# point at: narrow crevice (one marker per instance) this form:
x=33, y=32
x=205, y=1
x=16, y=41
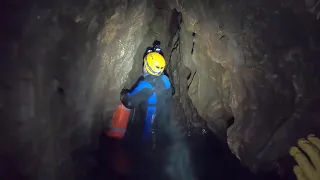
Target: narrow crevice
x=230, y=121
x=182, y=79
x=193, y=39
x=192, y=77
x=174, y=25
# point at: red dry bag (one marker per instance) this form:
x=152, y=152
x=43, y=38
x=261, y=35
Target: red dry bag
x=120, y=121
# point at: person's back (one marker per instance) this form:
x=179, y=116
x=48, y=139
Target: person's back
x=152, y=95
x=153, y=91
x=150, y=98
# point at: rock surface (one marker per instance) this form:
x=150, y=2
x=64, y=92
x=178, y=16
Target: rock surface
x=253, y=60
x=65, y=65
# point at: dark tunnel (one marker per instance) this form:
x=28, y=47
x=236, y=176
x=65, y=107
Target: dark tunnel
x=246, y=78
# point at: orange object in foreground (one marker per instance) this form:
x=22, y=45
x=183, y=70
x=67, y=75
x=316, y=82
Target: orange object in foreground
x=120, y=121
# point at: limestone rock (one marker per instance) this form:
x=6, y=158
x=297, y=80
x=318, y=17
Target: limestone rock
x=66, y=62
x=251, y=68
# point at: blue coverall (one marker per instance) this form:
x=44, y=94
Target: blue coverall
x=148, y=96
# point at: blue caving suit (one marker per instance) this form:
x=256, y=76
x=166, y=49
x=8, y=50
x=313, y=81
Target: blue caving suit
x=150, y=94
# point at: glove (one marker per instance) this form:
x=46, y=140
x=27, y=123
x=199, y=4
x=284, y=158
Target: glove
x=124, y=91
x=306, y=170
x=124, y=98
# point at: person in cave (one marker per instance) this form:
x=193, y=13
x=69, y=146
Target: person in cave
x=151, y=94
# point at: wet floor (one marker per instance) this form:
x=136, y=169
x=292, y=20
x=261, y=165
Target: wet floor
x=215, y=161
x=210, y=159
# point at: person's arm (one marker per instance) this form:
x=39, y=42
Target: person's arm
x=140, y=93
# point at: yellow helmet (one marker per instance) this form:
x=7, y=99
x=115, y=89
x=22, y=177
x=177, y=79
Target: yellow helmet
x=154, y=63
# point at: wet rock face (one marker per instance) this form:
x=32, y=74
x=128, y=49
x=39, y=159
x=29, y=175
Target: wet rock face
x=65, y=62
x=253, y=60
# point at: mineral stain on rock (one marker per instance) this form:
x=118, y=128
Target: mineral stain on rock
x=245, y=72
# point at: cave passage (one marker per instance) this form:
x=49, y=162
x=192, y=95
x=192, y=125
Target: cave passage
x=245, y=74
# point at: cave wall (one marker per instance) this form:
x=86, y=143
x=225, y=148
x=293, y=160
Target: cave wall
x=64, y=62
x=185, y=112
x=156, y=29
x=256, y=61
